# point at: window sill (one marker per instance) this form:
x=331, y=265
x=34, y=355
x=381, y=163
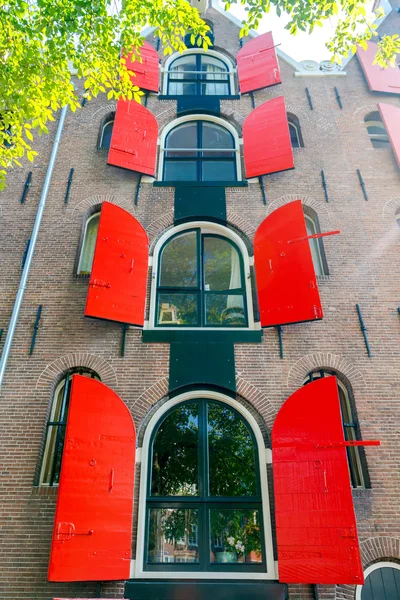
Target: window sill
x=200, y=184
x=229, y=97
x=236, y=336
x=203, y=590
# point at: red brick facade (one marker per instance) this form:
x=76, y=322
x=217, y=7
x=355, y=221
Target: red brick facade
x=364, y=268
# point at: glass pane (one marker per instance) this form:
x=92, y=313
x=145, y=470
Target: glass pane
x=178, y=264
x=314, y=247
x=180, y=170
x=221, y=265
x=106, y=137
x=210, y=65
x=183, y=136
x=294, y=138
x=177, y=309
x=225, y=310
x=217, y=137
x=182, y=65
x=232, y=461
x=175, y=88
x=89, y=243
x=380, y=142
x=235, y=536
x=173, y=536
x=220, y=170
x=175, y=454
x=214, y=89
x=377, y=129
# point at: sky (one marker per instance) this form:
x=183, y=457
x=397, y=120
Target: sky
x=302, y=46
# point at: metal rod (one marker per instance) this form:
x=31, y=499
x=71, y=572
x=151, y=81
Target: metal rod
x=138, y=188
x=309, y=98
x=253, y=100
x=125, y=328
x=158, y=44
x=264, y=196
x=28, y=183
x=314, y=236
x=325, y=186
x=316, y=594
x=231, y=150
x=241, y=42
x=1, y=333
x=361, y=180
x=83, y=102
x=338, y=98
x=25, y=273
x=35, y=329
x=25, y=254
x=69, y=183
x=363, y=329
x=280, y=338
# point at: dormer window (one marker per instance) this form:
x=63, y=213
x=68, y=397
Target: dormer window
x=199, y=74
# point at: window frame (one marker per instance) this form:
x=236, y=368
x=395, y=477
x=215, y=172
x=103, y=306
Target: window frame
x=205, y=228
x=64, y=383
x=375, y=567
x=374, y=119
x=196, y=77
x=315, y=242
x=353, y=427
x=83, y=241
x=199, y=119
x=110, y=120
x=231, y=70
x=144, y=456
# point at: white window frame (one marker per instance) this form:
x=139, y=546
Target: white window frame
x=200, y=117
x=46, y=450
x=208, y=228
x=316, y=244
x=97, y=213
x=110, y=120
x=227, y=61
x=137, y=566
x=374, y=567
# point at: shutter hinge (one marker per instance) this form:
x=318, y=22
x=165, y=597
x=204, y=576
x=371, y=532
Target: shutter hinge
x=100, y=283
x=65, y=532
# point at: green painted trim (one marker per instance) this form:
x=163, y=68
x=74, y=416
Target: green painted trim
x=142, y=589
x=164, y=336
x=233, y=184
x=227, y=97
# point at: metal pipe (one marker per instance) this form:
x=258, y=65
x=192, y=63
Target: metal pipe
x=35, y=232
x=361, y=180
x=363, y=329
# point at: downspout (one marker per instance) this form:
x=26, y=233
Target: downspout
x=28, y=261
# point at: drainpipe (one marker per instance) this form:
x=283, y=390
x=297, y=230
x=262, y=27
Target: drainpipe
x=25, y=273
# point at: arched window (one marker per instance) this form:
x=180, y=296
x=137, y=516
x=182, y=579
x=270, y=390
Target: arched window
x=382, y=582
x=315, y=243
x=197, y=74
x=296, y=137
x=88, y=244
x=200, y=150
x=200, y=282
x=55, y=428
x=106, y=129
x=350, y=427
x=204, y=509
x=398, y=219
x=376, y=130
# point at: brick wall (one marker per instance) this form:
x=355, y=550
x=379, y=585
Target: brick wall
x=364, y=268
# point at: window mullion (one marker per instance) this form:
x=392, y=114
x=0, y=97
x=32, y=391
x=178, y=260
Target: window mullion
x=200, y=275
x=203, y=486
x=58, y=442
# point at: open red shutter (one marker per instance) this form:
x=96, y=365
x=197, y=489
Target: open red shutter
x=92, y=535
x=266, y=139
x=379, y=80
x=117, y=287
x=257, y=64
x=133, y=143
x=146, y=71
x=286, y=282
x=391, y=117
x=315, y=521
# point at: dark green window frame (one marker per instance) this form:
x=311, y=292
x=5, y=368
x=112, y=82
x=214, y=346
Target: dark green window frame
x=197, y=155
x=199, y=77
x=198, y=290
x=203, y=502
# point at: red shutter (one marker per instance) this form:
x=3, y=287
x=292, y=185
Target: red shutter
x=92, y=535
x=134, y=138
x=147, y=70
x=391, y=117
x=315, y=521
x=379, y=80
x=266, y=139
x=257, y=64
x=286, y=282
x=117, y=287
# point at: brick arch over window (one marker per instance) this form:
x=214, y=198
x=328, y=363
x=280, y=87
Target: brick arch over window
x=87, y=204
x=391, y=208
x=331, y=362
x=102, y=112
x=317, y=206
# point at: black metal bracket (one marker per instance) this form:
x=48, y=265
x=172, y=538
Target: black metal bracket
x=69, y=183
x=83, y=101
x=28, y=183
x=338, y=98
x=324, y=186
x=264, y=196
x=253, y=100
x=35, y=329
x=363, y=329
x=280, y=338
x=361, y=180
x=138, y=188
x=25, y=254
x=125, y=328
x=1, y=333
x=309, y=98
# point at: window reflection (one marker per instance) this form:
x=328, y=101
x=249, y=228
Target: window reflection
x=235, y=536
x=173, y=536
